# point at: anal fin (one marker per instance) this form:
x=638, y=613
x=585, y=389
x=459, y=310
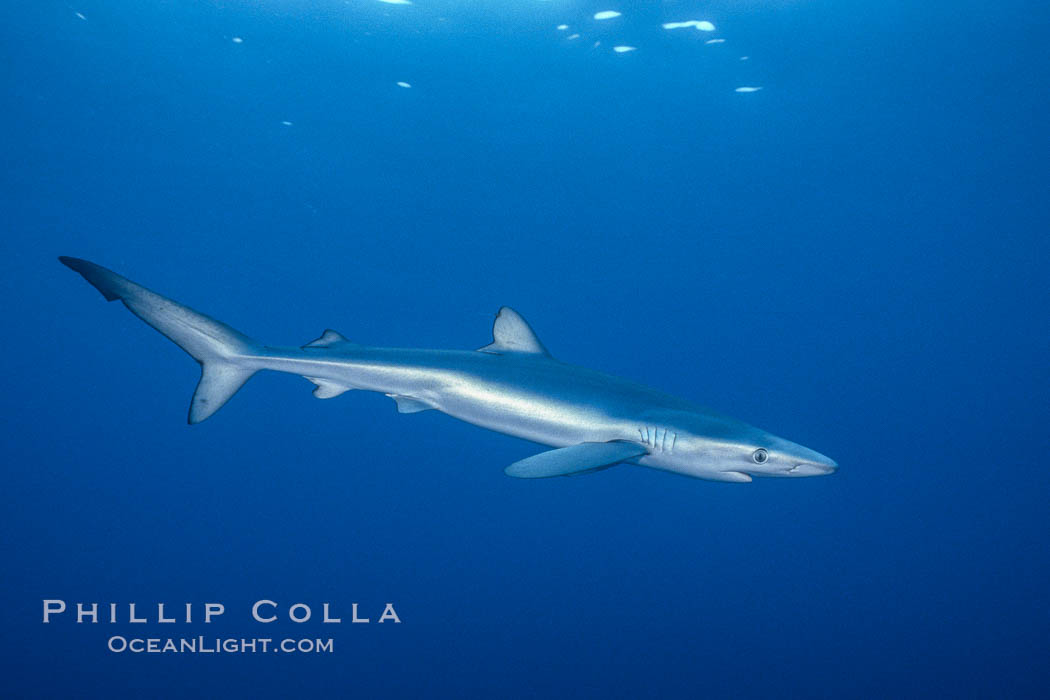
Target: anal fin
x=328, y=389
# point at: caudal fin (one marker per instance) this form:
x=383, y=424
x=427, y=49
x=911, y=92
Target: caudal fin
x=213, y=344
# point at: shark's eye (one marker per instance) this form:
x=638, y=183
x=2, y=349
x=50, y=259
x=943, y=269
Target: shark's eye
x=760, y=456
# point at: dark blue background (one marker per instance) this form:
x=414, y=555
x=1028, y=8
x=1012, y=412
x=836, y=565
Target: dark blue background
x=853, y=258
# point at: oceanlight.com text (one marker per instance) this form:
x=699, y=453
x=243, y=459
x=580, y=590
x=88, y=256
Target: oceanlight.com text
x=217, y=645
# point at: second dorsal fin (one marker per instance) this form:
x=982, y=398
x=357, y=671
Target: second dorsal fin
x=328, y=339
x=512, y=333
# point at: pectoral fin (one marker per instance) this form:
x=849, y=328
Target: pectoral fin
x=576, y=459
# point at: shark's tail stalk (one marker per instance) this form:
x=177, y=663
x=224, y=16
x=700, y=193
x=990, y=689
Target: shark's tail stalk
x=214, y=345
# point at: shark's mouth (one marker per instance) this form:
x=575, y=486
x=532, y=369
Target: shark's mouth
x=809, y=469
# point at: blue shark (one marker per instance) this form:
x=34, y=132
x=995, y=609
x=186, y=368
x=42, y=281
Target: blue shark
x=513, y=385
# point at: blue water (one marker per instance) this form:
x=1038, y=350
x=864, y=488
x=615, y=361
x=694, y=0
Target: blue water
x=853, y=257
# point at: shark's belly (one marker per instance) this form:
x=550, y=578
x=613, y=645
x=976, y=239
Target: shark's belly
x=555, y=418
x=547, y=402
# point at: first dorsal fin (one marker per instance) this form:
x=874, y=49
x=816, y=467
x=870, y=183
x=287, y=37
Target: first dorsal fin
x=327, y=340
x=512, y=333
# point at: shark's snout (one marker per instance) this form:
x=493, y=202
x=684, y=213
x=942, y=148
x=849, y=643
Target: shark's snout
x=797, y=460
x=826, y=463
x=812, y=463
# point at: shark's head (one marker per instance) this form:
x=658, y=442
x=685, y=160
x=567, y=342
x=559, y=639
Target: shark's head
x=710, y=446
x=770, y=455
